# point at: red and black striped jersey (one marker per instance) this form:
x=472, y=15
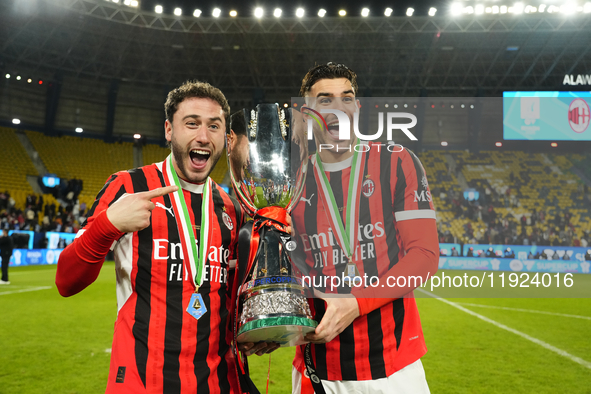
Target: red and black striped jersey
x=394, y=189
x=157, y=346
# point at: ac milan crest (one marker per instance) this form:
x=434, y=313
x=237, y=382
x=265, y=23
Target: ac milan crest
x=578, y=115
x=368, y=187
x=227, y=221
x=424, y=182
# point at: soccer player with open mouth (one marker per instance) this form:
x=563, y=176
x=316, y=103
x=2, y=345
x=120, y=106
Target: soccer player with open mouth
x=359, y=216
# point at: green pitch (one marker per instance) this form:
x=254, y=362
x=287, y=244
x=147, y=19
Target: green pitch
x=50, y=344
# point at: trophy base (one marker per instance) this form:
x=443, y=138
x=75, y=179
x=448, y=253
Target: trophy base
x=285, y=330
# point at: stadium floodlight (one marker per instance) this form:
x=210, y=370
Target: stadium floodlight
x=443, y=143
x=300, y=12
x=7, y=76
x=488, y=10
x=197, y=13
x=277, y=13
x=321, y=12
x=410, y=11
x=127, y=2
x=135, y=3
x=518, y=8
x=479, y=9
x=158, y=9
x=495, y=9
x=115, y=1
x=432, y=11
x=456, y=9
x=79, y=130
x=469, y=10
x=568, y=8
x=137, y=136
x=587, y=8
x=552, y=9
x=259, y=12
x=365, y=12
x=503, y=9
x=233, y=13
x=388, y=11
x=216, y=12
x=342, y=12
x=542, y=8
x=16, y=121
x=178, y=11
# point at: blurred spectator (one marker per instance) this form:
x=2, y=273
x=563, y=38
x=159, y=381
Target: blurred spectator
x=4, y=197
x=565, y=256
x=6, y=247
x=509, y=253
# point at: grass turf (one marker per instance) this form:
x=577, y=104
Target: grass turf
x=51, y=344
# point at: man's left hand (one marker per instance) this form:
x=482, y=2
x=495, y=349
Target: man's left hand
x=259, y=349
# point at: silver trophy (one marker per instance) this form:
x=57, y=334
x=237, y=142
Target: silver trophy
x=267, y=172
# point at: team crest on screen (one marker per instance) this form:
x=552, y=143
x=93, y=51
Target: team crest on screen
x=227, y=221
x=578, y=115
x=368, y=187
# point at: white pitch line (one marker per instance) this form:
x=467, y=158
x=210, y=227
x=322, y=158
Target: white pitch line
x=543, y=344
x=25, y=290
x=17, y=271
x=526, y=310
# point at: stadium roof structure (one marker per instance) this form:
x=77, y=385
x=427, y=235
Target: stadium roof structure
x=465, y=55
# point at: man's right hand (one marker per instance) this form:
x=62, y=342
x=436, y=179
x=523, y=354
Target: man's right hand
x=132, y=212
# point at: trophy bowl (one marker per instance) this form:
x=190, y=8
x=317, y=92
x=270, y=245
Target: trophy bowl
x=267, y=173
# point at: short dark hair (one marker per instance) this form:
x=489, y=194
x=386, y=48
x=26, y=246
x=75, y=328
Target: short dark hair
x=197, y=89
x=327, y=71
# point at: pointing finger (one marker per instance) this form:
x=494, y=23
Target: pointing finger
x=161, y=191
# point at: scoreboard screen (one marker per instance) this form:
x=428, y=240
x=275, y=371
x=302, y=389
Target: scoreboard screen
x=554, y=116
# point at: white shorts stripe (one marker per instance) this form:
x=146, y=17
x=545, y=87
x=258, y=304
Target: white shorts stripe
x=409, y=380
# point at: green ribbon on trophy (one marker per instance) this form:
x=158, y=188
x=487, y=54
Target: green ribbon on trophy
x=345, y=234
x=196, y=306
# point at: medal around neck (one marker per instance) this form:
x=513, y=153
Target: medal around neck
x=267, y=173
x=196, y=261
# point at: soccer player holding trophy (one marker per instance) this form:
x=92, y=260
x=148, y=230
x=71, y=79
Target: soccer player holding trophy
x=358, y=216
